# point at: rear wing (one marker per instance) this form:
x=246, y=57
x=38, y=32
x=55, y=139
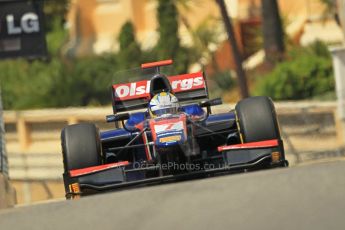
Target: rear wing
x=136, y=95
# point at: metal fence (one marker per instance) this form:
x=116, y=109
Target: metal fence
x=3, y=156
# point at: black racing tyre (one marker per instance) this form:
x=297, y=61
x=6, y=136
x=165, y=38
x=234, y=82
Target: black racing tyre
x=257, y=119
x=81, y=146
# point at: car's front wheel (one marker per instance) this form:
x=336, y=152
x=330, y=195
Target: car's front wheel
x=257, y=120
x=81, y=146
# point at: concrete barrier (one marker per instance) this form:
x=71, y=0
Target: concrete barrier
x=7, y=193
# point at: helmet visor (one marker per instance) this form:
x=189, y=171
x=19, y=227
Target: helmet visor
x=163, y=111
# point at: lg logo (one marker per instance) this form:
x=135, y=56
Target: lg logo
x=29, y=23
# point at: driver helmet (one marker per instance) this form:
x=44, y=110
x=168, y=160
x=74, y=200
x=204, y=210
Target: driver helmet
x=163, y=103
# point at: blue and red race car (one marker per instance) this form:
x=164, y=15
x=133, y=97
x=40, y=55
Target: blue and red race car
x=169, y=135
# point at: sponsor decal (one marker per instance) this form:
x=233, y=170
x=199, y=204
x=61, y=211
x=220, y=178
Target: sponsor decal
x=168, y=127
x=141, y=89
x=170, y=139
x=187, y=83
x=132, y=90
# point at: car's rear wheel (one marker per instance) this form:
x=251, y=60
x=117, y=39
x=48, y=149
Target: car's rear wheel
x=256, y=119
x=81, y=146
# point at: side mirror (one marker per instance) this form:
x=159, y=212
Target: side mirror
x=211, y=102
x=117, y=117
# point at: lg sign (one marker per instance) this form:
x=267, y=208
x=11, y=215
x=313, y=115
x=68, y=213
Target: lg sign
x=22, y=29
x=28, y=24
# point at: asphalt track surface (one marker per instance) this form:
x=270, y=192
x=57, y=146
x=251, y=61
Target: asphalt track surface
x=306, y=197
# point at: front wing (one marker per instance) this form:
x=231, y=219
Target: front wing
x=232, y=158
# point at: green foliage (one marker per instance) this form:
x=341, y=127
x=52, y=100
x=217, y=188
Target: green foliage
x=224, y=80
x=85, y=81
x=28, y=86
x=38, y=84
x=168, y=43
x=307, y=74
x=56, y=37
x=126, y=38
x=54, y=10
x=220, y=83
x=169, y=46
x=130, y=54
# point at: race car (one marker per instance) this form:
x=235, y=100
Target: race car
x=165, y=131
